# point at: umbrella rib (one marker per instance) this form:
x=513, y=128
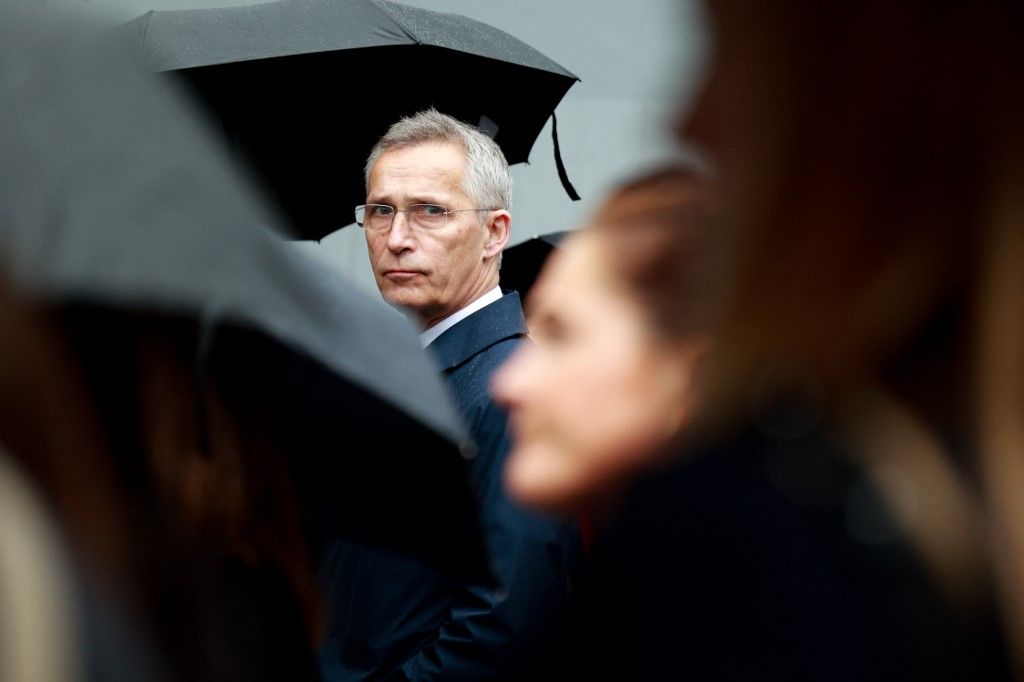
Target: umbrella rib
x=145, y=25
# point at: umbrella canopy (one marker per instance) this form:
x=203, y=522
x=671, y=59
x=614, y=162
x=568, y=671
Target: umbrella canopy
x=522, y=263
x=304, y=88
x=112, y=193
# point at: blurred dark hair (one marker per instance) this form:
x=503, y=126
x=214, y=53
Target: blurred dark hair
x=660, y=242
x=48, y=425
x=871, y=153
x=207, y=499
x=872, y=171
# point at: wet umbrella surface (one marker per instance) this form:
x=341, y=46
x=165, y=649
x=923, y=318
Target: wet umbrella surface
x=303, y=88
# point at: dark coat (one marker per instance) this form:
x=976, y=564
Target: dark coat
x=394, y=616
x=766, y=557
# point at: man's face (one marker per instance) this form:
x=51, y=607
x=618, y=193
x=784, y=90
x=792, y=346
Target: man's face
x=436, y=272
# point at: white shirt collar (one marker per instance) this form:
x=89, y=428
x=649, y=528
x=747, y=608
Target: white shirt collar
x=427, y=337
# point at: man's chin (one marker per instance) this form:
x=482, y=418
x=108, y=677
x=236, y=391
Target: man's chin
x=410, y=305
x=400, y=298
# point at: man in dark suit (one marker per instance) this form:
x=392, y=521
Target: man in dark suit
x=436, y=221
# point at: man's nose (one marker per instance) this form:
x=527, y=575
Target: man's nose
x=400, y=234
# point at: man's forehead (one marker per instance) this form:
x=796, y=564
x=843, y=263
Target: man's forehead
x=427, y=167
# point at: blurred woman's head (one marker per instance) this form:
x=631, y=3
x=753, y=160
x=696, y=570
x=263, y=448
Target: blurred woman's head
x=619, y=321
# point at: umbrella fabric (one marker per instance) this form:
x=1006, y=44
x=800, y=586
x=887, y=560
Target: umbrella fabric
x=522, y=263
x=303, y=88
x=112, y=193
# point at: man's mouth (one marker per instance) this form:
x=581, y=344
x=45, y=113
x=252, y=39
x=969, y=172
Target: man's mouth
x=398, y=275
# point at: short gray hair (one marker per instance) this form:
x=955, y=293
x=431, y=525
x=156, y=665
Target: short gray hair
x=487, y=181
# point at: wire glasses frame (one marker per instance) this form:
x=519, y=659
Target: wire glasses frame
x=422, y=216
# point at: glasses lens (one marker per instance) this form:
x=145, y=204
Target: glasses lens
x=428, y=216
x=376, y=216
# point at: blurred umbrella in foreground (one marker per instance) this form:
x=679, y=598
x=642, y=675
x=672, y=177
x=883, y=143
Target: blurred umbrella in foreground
x=112, y=195
x=304, y=88
x=522, y=263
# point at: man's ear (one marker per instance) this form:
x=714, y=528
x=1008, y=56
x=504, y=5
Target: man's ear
x=499, y=229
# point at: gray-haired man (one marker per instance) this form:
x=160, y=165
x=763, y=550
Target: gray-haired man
x=436, y=220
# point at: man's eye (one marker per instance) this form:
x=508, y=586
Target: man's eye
x=432, y=210
x=379, y=210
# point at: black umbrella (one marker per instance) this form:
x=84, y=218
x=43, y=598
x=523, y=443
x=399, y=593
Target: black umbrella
x=303, y=88
x=522, y=263
x=112, y=194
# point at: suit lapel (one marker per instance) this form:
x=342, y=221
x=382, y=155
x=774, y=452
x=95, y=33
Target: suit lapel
x=496, y=322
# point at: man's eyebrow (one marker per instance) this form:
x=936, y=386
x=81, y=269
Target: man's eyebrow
x=379, y=199
x=426, y=199
x=415, y=199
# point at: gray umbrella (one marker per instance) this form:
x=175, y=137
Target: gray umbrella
x=303, y=88
x=112, y=192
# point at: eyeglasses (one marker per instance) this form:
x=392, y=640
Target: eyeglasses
x=420, y=216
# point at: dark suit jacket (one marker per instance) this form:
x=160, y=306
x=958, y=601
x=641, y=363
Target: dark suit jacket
x=397, y=618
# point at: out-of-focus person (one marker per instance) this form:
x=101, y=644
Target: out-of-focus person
x=848, y=504
x=619, y=318
x=184, y=559
x=162, y=567
x=871, y=345
x=437, y=217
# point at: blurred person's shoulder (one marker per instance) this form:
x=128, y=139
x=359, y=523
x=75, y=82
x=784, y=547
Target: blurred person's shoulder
x=769, y=551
